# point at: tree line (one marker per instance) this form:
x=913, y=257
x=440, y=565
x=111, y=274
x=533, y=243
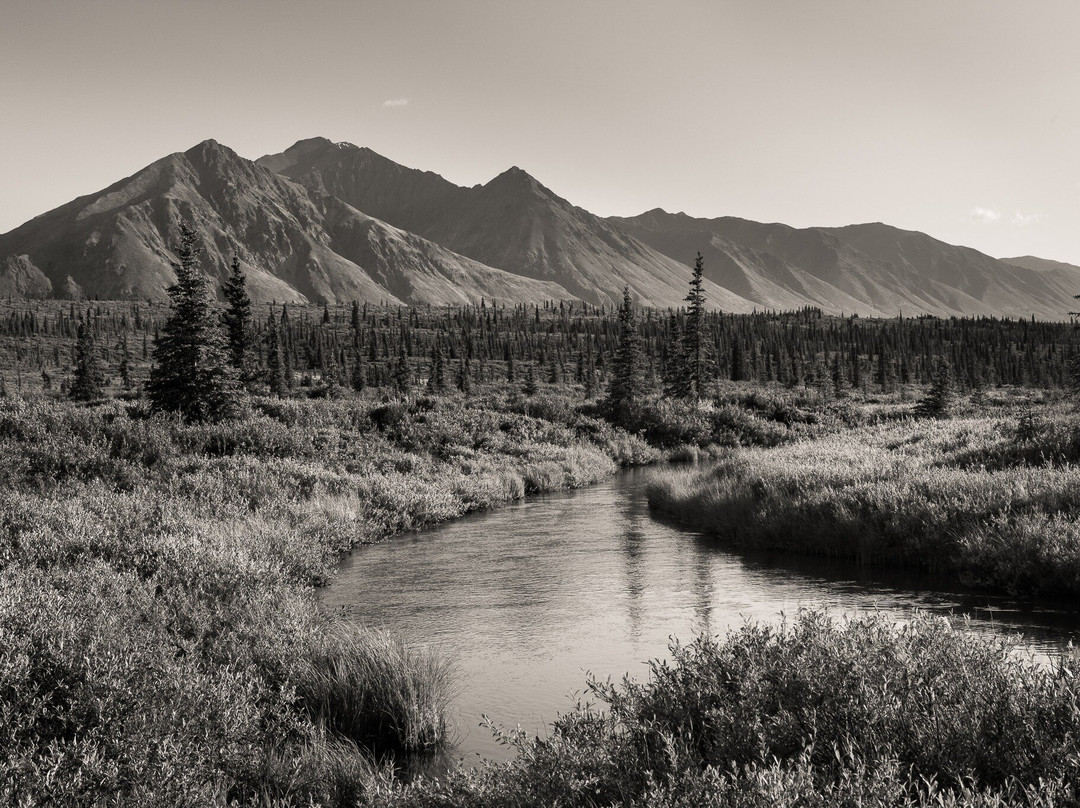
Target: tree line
x=283, y=347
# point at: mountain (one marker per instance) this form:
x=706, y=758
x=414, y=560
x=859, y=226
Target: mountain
x=294, y=243
x=333, y=222
x=869, y=269
x=512, y=222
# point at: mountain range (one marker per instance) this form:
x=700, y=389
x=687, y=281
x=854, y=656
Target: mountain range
x=333, y=222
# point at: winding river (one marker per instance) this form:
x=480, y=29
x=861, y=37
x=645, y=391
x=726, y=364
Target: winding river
x=527, y=598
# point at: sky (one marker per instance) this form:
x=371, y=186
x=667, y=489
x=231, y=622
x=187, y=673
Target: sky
x=960, y=118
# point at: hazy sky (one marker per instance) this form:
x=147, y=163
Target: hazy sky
x=957, y=117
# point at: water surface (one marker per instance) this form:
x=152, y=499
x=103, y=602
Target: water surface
x=527, y=598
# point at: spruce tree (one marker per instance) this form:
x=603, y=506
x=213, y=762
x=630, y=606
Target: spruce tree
x=839, y=380
x=237, y=321
x=358, y=377
x=275, y=364
x=738, y=361
x=529, y=387
x=693, y=343
x=402, y=376
x=437, y=370
x=941, y=398
x=88, y=381
x=125, y=363
x=191, y=374
x=464, y=376
x=628, y=375
x=674, y=370
x=685, y=370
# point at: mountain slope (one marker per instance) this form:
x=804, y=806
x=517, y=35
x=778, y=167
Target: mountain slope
x=512, y=222
x=295, y=244
x=869, y=269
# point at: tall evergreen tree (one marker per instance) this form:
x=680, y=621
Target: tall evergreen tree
x=686, y=371
x=628, y=375
x=693, y=338
x=464, y=376
x=358, y=377
x=191, y=373
x=89, y=379
x=401, y=374
x=437, y=369
x=941, y=398
x=738, y=360
x=839, y=380
x=529, y=386
x=237, y=321
x=275, y=363
x=125, y=363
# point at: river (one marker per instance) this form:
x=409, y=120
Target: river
x=527, y=598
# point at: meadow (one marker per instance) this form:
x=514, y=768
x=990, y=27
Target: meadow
x=163, y=639
x=988, y=498
x=163, y=643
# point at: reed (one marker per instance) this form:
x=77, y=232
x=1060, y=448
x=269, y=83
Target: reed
x=372, y=688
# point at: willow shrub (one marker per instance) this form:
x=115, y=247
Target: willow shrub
x=816, y=711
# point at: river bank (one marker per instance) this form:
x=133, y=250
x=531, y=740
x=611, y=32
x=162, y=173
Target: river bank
x=526, y=598
x=158, y=581
x=989, y=500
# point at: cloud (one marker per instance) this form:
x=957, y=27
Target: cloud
x=1024, y=219
x=395, y=102
x=984, y=215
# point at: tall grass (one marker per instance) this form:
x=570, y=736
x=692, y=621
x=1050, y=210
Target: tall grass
x=162, y=640
x=962, y=498
x=374, y=689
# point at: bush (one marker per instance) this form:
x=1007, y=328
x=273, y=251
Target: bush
x=815, y=712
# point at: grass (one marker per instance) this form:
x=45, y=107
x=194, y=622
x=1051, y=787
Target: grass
x=163, y=643
x=816, y=711
x=373, y=689
x=973, y=498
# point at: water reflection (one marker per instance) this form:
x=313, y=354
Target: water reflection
x=528, y=598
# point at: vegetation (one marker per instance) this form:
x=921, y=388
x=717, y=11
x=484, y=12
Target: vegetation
x=687, y=370
x=989, y=498
x=163, y=640
x=237, y=322
x=87, y=379
x=813, y=712
x=192, y=374
x=627, y=379
x=158, y=557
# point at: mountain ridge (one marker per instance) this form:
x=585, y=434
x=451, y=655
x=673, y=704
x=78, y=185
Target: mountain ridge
x=326, y=221
x=871, y=269
x=513, y=221
x=295, y=244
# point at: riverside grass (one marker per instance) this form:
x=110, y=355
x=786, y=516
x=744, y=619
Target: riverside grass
x=991, y=499
x=167, y=650
x=817, y=711
x=162, y=641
